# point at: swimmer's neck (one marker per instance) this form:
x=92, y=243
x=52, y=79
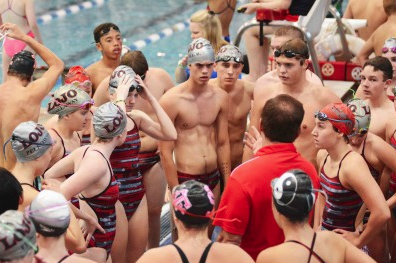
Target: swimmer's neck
x=25, y=173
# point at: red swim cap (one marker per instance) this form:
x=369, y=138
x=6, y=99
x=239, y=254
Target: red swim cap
x=340, y=117
x=76, y=73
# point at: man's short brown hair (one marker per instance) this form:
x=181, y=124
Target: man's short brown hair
x=289, y=31
x=136, y=60
x=281, y=118
x=389, y=7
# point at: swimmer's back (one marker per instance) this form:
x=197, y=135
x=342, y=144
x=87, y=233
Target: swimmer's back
x=219, y=252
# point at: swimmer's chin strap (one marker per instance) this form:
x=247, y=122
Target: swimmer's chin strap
x=209, y=214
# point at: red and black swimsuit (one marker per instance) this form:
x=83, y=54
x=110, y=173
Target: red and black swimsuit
x=103, y=204
x=125, y=163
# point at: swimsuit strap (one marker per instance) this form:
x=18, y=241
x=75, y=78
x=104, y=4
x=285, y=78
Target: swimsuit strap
x=222, y=11
x=79, y=137
x=325, y=160
x=205, y=253
x=311, y=252
x=364, y=146
x=62, y=259
x=339, y=166
x=63, y=143
x=29, y=185
x=82, y=197
x=181, y=253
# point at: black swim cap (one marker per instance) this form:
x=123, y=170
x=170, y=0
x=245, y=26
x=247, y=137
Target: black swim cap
x=23, y=62
x=193, y=202
x=293, y=194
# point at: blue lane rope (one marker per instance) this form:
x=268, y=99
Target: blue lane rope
x=162, y=34
x=73, y=9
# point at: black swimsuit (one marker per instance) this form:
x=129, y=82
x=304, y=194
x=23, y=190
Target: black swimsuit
x=311, y=252
x=201, y=260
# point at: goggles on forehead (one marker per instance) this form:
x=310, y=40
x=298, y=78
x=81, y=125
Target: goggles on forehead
x=107, y=30
x=85, y=84
x=228, y=58
x=386, y=49
x=84, y=106
x=323, y=117
x=19, y=139
x=286, y=53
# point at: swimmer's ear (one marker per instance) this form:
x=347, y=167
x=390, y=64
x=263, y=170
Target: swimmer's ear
x=388, y=82
x=99, y=46
x=304, y=63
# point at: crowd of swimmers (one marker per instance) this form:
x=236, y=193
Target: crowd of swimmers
x=283, y=168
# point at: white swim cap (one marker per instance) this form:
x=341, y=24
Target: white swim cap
x=229, y=53
x=109, y=120
x=68, y=99
x=200, y=50
x=117, y=76
x=29, y=141
x=50, y=213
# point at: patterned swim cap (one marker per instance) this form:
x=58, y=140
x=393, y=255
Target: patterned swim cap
x=17, y=234
x=200, y=50
x=293, y=194
x=109, y=120
x=68, y=99
x=23, y=62
x=389, y=45
x=362, y=112
x=29, y=141
x=50, y=213
x=229, y=53
x=339, y=115
x=117, y=76
x=192, y=202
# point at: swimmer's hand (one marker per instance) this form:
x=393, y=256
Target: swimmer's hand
x=253, y=142
x=12, y=30
x=51, y=184
x=352, y=237
x=250, y=8
x=145, y=94
x=182, y=63
x=123, y=88
x=90, y=224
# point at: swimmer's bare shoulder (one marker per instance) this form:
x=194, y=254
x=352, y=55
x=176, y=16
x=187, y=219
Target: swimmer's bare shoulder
x=323, y=95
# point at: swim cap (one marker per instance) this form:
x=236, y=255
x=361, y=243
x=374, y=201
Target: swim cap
x=76, y=74
x=117, y=76
x=293, y=194
x=68, y=99
x=228, y=52
x=362, y=113
x=200, y=50
x=17, y=235
x=389, y=45
x=23, y=62
x=29, y=141
x=193, y=201
x=340, y=117
x=50, y=213
x=109, y=120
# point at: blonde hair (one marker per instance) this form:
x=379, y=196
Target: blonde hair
x=211, y=28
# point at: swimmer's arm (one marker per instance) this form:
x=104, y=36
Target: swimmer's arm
x=366, y=50
x=102, y=94
x=267, y=4
x=165, y=79
x=384, y=152
x=319, y=204
x=166, y=152
x=223, y=141
x=180, y=71
x=32, y=21
x=226, y=237
x=348, y=12
x=61, y=168
x=371, y=194
x=74, y=238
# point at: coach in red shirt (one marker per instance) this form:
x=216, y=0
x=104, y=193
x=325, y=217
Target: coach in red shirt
x=248, y=196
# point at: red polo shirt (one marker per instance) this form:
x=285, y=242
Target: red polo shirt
x=248, y=196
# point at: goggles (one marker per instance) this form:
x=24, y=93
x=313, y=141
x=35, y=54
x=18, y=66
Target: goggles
x=138, y=88
x=19, y=139
x=386, y=49
x=85, y=84
x=84, y=106
x=286, y=53
x=361, y=132
x=228, y=58
x=323, y=117
x=106, y=31
x=143, y=76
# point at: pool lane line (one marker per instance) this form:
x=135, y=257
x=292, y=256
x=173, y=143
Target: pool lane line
x=72, y=9
x=139, y=44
